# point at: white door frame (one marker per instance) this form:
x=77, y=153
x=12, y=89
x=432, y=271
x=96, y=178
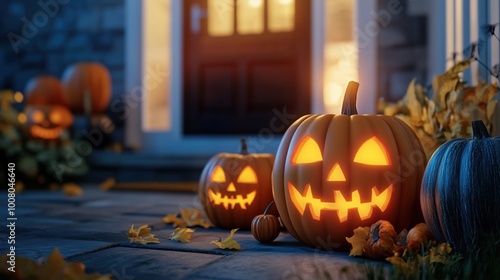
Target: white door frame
x=170, y=141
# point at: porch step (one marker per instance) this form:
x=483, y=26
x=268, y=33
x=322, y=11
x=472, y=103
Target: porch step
x=132, y=167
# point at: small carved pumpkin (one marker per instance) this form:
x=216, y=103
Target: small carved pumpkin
x=234, y=188
x=334, y=173
x=461, y=190
x=265, y=227
x=47, y=122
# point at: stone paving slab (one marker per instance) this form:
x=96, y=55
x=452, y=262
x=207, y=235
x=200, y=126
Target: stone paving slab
x=132, y=263
x=93, y=229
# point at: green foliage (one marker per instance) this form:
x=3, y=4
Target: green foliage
x=37, y=162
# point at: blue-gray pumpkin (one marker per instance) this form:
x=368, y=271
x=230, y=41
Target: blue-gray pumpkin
x=460, y=194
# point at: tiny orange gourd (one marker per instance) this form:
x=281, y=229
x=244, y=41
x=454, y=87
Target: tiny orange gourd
x=265, y=227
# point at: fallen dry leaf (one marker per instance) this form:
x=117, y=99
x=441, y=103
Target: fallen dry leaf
x=403, y=265
x=141, y=235
x=358, y=240
x=228, y=243
x=189, y=217
x=72, y=189
x=181, y=234
x=173, y=219
x=108, y=184
x=193, y=217
x=55, y=267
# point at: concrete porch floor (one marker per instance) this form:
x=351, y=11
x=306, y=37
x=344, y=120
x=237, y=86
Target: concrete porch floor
x=93, y=229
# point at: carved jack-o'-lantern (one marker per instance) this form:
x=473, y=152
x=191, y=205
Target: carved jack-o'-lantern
x=47, y=122
x=334, y=173
x=234, y=188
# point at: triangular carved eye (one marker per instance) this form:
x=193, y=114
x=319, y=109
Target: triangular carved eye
x=218, y=175
x=247, y=176
x=307, y=151
x=372, y=152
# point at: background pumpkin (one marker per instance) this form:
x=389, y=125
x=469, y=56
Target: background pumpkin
x=234, y=188
x=461, y=190
x=44, y=90
x=83, y=77
x=327, y=162
x=47, y=122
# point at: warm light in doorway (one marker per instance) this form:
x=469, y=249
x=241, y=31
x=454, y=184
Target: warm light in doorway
x=255, y=3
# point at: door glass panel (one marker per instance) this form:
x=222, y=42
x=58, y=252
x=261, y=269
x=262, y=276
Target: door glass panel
x=281, y=15
x=220, y=17
x=250, y=16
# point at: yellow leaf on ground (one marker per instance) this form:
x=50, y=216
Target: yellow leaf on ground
x=173, y=219
x=402, y=264
x=358, y=240
x=181, y=234
x=192, y=217
x=71, y=189
x=55, y=267
x=228, y=242
x=108, y=184
x=141, y=235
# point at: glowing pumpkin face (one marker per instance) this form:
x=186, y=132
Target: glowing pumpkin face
x=47, y=122
x=234, y=188
x=371, y=153
x=334, y=173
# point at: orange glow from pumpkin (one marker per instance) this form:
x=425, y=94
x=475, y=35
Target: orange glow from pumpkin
x=45, y=133
x=372, y=152
x=55, y=117
x=341, y=205
x=38, y=117
x=218, y=175
x=336, y=174
x=216, y=198
x=307, y=151
x=248, y=176
x=231, y=188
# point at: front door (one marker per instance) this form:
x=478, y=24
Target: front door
x=242, y=59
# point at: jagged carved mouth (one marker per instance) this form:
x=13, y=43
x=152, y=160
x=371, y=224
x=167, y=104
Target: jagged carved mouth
x=46, y=133
x=243, y=201
x=365, y=209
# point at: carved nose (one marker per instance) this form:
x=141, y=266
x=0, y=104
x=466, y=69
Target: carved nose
x=336, y=174
x=231, y=187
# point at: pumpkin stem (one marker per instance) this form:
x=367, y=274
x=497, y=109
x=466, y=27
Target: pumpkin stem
x=243, y=147
x=349, y=104
x=479, y=131
x=268, y=206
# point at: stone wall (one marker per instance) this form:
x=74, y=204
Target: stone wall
x=45, y=36
x=402, y=49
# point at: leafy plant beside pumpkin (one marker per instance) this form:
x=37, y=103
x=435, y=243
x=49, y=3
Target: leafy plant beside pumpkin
x=38, y=161
x=449, y=112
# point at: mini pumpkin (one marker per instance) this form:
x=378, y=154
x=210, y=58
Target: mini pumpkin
x=87, y=80
x=461, y=190
x=334, y=173
x=265, y=227
x=234, y=188
x=381, y=241
x=47, y=122
x=417, y=236
x=44, y=90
